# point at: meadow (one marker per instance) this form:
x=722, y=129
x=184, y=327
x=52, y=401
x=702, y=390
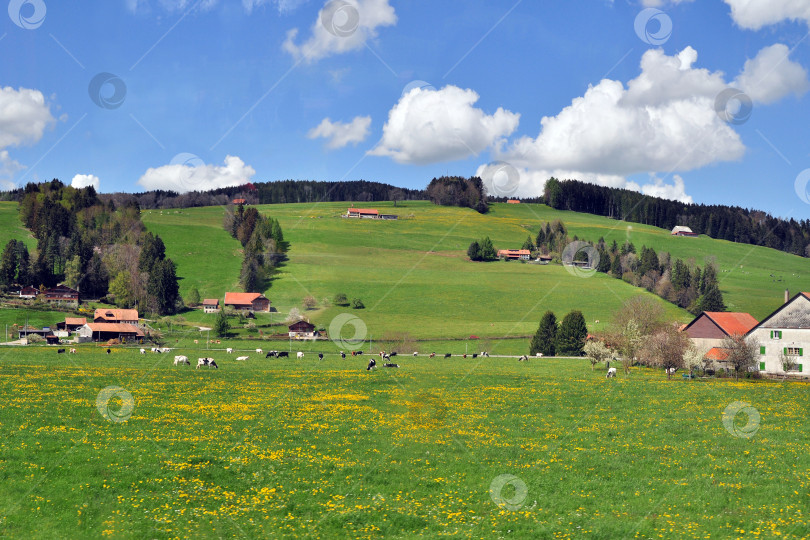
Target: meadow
x=464, y=449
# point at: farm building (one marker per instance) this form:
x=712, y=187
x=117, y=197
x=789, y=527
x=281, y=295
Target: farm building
x=302, y=329
x=247, y=301
x=108, y=331
x=210, y=305
x=62, y=295
x=514, y=254
x=44, y=333
x=544, y=259
x=239, y=201
x=29, y=293
x=71, y=324
x=683, y=231
x=783, y=335
x=513, y=201
x=363, y=213
x=710, y=328
x=126, y=316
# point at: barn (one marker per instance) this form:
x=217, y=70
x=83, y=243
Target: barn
x=127, y=316
x=108, y=331
x=247, y=301
x=302, y=329
x=710, y=328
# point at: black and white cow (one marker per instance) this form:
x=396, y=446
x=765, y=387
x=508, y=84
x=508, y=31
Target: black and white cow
x=343, y=355
x=320, y=356
x=181, y=360
x=283, y=354
x=448, y=355
x=60, y=351
x=206, y=362
x=372, y=364
x=391, y=365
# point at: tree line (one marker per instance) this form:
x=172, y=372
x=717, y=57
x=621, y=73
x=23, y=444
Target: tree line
x=263, y=244
x=459, y=191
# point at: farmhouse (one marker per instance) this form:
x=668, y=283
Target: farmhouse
x=71, y=324
x=783, y=335
x=302, y=329
x=62, y=295
x=210, y=305
x=108, y=331
x=683, y=231
x=239, y=201
x=513, y=201
x=710, y=328
x=29, y=293
x=514, y=254
x=247, y=301
x=363, y=213
x=544, y=259
x=126, y=316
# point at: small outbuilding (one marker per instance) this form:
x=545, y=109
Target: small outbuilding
x=683, y=231
x=210, y=305
x=302, y=330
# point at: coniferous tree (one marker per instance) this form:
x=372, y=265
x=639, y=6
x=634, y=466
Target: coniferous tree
x=572, y=334
x=544, y=340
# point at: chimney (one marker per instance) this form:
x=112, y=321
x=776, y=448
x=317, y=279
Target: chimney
x=787, y=295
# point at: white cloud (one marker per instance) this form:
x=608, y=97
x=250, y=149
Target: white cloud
x=754, y=14
x=342, y=30
x=341, y=134
x=674, y=192
x=771, y=75
x=85, y=180
x=284, y=6
x=24, y=116
x=8, y=168
x=431, y=126
x=183, y=178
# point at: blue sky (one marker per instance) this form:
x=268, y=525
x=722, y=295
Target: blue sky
x=181, y=94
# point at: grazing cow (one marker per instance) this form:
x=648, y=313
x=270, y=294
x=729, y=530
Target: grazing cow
x=385, y=356
x=475, y=355
x=359, y=353
x=259, y=351
x=391, y=365
x=181, y=360
x=196, y=341
x=372, y=364
x=299, y=355
x=433, y=355
x=523, y=358
x=143, y=351
x=343, y=355
x=60, y=351
x=611, y=372
x=320, y=356
x=415, y=353
x=393, y=354
x=448, y=355
x=206, y=362
x=538, y=355
x=229, y=350
x=72, y=351
x=108, y=351
x=283, y=354
x=273, y=354
x=485, y=354
x=464, y=355
x=354, y=353
x=242, y=358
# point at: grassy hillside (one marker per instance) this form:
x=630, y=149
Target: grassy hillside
x=12, y=228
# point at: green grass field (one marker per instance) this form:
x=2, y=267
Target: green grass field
x=277, y=449
x=413, y=276
x=12, y=228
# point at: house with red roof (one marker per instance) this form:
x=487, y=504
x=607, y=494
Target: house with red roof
x=363, y=213
x=514, y=254
x=210, y=305
x=107, y=331
x=62, y=295
x=251, y=302
x=710, y=328
x=125, y=316
x=783, y=336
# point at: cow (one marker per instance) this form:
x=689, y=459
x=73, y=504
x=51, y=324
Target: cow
x=283, y=354
x=372, y=364
x=523, y=358
x=60, y=351
x=464, y=356
x=196, y=341
x=415, y=353
x=391, y=365
x=259, y=351
x=229, y=350
x=242, y=358
x=475, y=355
x=320, y=356
x=359, y=353
x=299, y=355
x=485, y=354
x=181, y=360
x=385, y=356
x=108, y=351
x=72, y=351
x=343, y=355
x=448, y=355
x=271, y=354
x=143, y=351
x=206, y=362
x=432, y=355
x=611, y=372
x=538, y=355
x=393, y=353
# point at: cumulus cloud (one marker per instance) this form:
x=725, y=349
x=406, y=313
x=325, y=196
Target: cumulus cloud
x=771, y=75
x=754, y=14
x=184, y=177
x=85, y=180
x=24, y=116
x=674, y=192
x=341, y=134
x=432, y=126
x=664, y=120
x=341, y=26
x=8, y=168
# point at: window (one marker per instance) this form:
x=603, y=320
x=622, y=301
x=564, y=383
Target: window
x=793, y=351
x=776, y=334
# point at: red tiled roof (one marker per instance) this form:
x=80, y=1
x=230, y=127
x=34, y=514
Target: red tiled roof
x=211, y=302
x=241, y=298
x=75, y=320
x=513, y=201
x=116, y=314
x=717, y=353
x=732, y=323
x=514, y=252
x=122, y=328
x=363, y=211
x=239, y=201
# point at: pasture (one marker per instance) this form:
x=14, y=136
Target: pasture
x=279, y=448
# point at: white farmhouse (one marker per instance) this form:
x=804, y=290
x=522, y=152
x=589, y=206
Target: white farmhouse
x=783, y=337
